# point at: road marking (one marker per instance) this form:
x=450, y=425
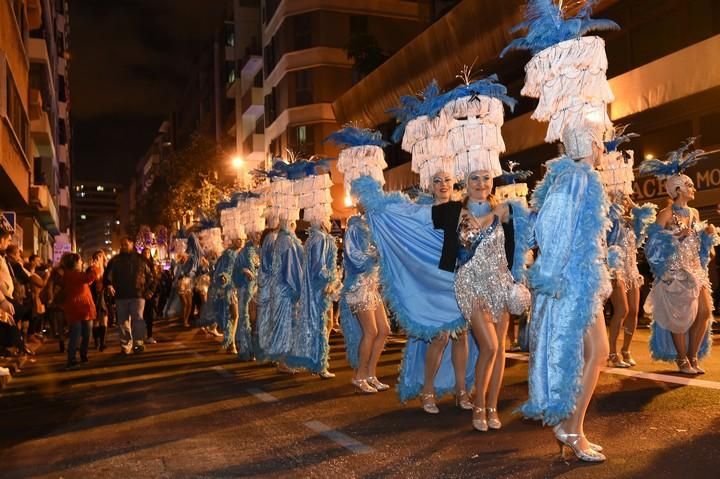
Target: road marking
x=667, y=378
x=336, y=436
x=179, y=344
x=262, y=395
x=221, y=371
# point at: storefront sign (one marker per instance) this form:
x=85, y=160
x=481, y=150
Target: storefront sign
x=649, y=187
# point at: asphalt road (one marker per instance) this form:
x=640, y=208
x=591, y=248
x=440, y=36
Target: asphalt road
x=181, y=409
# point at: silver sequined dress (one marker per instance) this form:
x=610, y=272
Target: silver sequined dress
x=628, y=272
x=483, y=282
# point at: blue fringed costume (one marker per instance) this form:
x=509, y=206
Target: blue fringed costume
x=221, y=293
x=264, y=291
x=246, y=262
x=570, y=283
x=310, y=347
x=275, y=334
x=184, y=277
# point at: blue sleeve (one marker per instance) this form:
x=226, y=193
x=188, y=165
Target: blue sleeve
x=356, y=249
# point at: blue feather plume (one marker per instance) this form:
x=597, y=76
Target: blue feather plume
x=430, y=103
x=619, y=138
x=350, y=136
x=546, y=25
x=676, y=162
x=487, y=86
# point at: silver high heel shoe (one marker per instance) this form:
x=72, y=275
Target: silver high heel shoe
x=428, y=403
x=462, y=400
x=374, y=382
x=685, y=368
x=480, y=423
x=614, y=361
x=627, y=357
x=595, y=447
x=362, y=386
x=694, y=365
x=570, y=441
x=492, y=418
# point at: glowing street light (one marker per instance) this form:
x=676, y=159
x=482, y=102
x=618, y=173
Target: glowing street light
x=649, y=156
x=237, y=162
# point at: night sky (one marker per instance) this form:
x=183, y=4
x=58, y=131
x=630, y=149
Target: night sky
x=130, y=62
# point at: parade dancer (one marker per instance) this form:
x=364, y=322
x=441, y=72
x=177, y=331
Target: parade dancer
x=629, y=223
x=569, y=279
x=678, y=250
x=362, y=312
x=244, y=277
x=265, y=284
x=310, y=346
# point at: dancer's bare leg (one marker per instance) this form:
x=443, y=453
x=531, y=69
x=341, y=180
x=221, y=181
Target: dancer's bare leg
x=459, y=360
x=698, y=330
x=596, y=350
x=433, y=356
x=365, y=350
x=486, y=337
x=383, y=331
x=498, y=366
x=631, y=320
x=620, y=312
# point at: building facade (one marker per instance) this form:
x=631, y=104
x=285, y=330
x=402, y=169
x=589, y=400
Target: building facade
x=664, y=86
x=98, y=223
x=35, y=134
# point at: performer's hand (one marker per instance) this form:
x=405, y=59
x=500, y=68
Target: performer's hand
x=710, y=229
x=111, y=290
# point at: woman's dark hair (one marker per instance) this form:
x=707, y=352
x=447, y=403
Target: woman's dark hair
x=98, y=254
x=5, y=234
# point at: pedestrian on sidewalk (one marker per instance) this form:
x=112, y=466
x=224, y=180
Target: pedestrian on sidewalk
x=151, y=299
x=128, y=278
x=78, y=304
x=97, y=289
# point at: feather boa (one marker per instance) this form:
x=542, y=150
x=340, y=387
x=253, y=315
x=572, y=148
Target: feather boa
x=523, y=225
x=662, y=347
x=659, y=248
x=707, y=243
x=643, y=216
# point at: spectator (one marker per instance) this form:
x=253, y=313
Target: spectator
x=128, y=278
x=97, y=289
x=53, y=297
x=38, y=279
x=78, y=305
x=150, y=299
x=9, y=334
x=22, y=297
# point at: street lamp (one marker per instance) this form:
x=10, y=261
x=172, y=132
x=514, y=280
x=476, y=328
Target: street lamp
x=238, y=163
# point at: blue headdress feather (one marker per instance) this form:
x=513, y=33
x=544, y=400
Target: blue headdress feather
x=676, y=162
x=430, y=103
x=511, y=176
x=487, y=86
x=619, y=138
x=350, y=136
x=546, y=26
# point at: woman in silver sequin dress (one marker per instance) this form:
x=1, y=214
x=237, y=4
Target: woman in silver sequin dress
x=680, y=299
x=627, y=280
x=486, y=292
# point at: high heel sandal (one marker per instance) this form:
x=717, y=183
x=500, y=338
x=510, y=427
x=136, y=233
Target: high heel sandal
x=615, y=362
x=694, y=364
x=428, y=403
x=685, y=368
x=595, y=447
x=570, y=441
x=627, y=357
x=462, y=400
x=480, y=424
x=492, y=418
x=374, y=382
x=362, y=386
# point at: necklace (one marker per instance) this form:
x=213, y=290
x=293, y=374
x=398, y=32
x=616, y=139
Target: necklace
x=683, y=211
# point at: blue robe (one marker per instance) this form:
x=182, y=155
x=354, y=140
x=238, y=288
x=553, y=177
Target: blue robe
x=310, y=346
x=568, y=280
x=216, y=309
x=275, y=337
x=264, y=288
x=358, y=260
x=248, y=259
x=421, y=295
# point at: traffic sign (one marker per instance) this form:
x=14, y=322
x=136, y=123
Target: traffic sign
x=8, y=221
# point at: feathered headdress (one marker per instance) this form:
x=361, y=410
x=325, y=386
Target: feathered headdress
x=512, y=176
x=350, y=136
x=618, y=138
x=546, y=25
x=487, y=86
x=428, y=103
x=676, y=161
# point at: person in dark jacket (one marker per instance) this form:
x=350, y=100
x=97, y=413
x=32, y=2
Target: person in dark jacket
x=128, y=278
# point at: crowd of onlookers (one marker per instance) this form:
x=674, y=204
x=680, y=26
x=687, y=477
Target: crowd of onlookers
x=73, y=301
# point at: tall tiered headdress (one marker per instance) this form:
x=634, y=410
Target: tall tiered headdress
x=673, y=168
x=361, y=154
x=616, y=166
x=567, y=72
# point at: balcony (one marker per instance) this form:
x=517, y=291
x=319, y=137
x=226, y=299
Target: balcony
x=254, y=148
x=253, y=102
x=62, y=110
x=60, y=23
x=35, y=111
x=64, y=198
x=45, y=210
x=63, y=154
x=34, y=14
x=42, y=136
x=38, y=52
x=251, y=63
x=62, y=66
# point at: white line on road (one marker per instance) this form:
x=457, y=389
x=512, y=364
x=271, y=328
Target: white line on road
x=702, y=383
x=336, y=436
x=262, y=395
x=179, y=344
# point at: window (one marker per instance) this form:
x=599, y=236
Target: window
x=303, y=89
x=13, y=107
x=302, y=139
x=229, y=34
x=302, y=26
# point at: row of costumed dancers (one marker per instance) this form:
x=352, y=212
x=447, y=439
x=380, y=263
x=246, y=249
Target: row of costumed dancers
x=453, y=272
